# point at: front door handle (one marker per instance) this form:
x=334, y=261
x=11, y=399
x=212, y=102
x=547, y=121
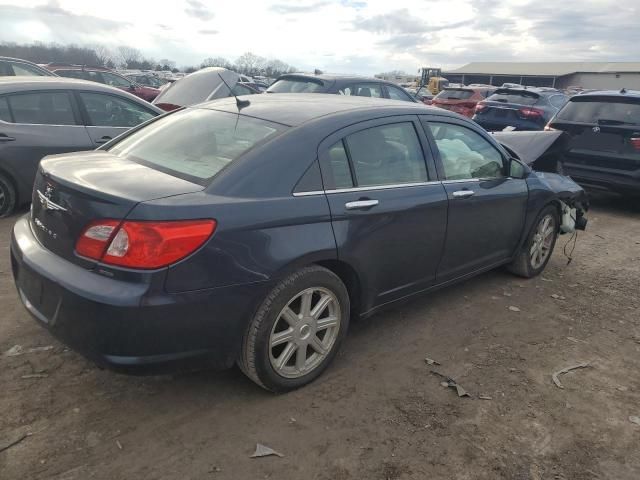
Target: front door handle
x=6, y=138
x=360, y=204
x=463, y=194
x=104, y=139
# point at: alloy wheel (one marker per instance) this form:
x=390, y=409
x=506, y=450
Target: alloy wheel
x=542, y=241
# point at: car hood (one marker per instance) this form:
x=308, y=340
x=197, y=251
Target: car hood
x=528, y=146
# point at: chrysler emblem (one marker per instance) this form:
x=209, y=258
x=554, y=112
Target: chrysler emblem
x=45, y=200
x=596, y=129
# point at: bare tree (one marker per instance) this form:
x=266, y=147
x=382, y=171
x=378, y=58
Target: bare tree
x=216, y=62
x=104, y=55
x=250, y=64
x=129, y=56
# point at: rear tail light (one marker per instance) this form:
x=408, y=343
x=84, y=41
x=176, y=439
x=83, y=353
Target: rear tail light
x=530, y=113
x=481, y=107
x=143, y=245
x=635, y=142
x=167, y=107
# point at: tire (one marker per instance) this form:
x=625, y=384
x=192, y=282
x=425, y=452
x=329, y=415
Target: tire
x=527, y=264
x=279, y=332
x=7, y=197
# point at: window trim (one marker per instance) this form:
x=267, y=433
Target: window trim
x=74, y=107
x=86, y=118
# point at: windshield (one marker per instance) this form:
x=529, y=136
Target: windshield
x=195, y=144
x=610, y=110
x=513, y=96
x=289, y=85
x=454, y=94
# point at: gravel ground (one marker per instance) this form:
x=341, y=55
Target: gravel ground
x=378, y=412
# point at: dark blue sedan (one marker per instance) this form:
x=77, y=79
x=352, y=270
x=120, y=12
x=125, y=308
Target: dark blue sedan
x=251, y=230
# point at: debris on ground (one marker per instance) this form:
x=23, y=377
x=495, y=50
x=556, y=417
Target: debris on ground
x=431, y=361
x=15, y=442
x=506, y=294
x=546, y=279
x=264, y=451
x=20, y=350
x=558, y=297
x=118, y=444
x=555, y=375
x=214, y=470
x=634, y=419
x=451, y=383
x=514, y=309
x=485, y=397
x=34, y=375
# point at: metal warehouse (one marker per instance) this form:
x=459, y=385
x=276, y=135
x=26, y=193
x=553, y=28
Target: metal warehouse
x=599, y=75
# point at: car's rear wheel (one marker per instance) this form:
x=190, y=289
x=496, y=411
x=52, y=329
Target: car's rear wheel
x=537, y=249
x=297, y=330
x=7, y=196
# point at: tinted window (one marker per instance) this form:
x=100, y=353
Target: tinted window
x=22, y=69
x=195, y=144
x=296, y=86
x=557, y=100
x=241, y=90
x=465, y=154
x=5, y=114
x=363, y=90
x=115, y=80
x=340, y=166
x=454, y=94
x=111, y=111
x=514, y=96
x=47, y=108
x=396, y=93
x=610, y=110
x=386, y=155
x=81, y=74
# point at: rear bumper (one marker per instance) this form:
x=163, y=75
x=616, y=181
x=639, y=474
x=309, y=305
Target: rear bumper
x=134, y=327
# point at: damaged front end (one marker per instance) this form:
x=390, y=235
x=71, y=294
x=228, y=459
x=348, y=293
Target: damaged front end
x=573, y=199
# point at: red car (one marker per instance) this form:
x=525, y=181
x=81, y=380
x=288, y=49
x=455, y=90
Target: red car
x=103, y=75
x=463, y=100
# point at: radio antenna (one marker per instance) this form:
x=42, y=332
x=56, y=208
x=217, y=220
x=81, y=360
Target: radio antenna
x=239, y=103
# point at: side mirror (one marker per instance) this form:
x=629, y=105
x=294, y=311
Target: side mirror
x=517, y=169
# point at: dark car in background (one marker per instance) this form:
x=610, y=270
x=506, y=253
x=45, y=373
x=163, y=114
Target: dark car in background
x=205, y=84
x=253, y=234
x=601, y=145
x=527, y=108
x=16, y=67
x=40, y=116
x=462, y=100
x=105, y=76
x=341, y=85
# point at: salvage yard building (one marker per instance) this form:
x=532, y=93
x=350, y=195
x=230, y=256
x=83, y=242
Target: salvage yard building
x=588, y=75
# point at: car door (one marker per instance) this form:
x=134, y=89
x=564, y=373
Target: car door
x=388, y=212
x=486, y=206
x=36, y=124
x=107, y=115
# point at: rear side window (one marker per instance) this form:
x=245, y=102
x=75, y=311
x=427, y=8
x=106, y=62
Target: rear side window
x=5, y=113
x=111, y=111
x=363, y=90
x=454, y=94
x=45, y=108
x=610, y=110
x=512, y=96
x=386, y=155
x=296, y=86
x=195, y=144
x=115, y=80
x=21, y=69
x=340, y=166
x=80, y=74
x=396, y=93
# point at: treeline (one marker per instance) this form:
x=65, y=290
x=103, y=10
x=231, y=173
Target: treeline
x=132, y=58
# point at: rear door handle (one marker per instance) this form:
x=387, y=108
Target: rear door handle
x=463, y=194
x=6, y=138
x=104, y=139
x=360, y=204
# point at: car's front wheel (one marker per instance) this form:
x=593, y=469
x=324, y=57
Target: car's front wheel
x=297, y=330
x=537, y=249
x=7, y=196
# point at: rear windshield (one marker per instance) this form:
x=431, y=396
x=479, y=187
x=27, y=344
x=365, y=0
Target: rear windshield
x=297, y=85
x=519, y=97
x=454, y=94
x=195, y=144
x=611, y=110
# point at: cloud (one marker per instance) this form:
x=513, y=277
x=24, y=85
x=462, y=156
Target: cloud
x=285, y=8
x=197, y=9
x=398, y=21
x=208, y=32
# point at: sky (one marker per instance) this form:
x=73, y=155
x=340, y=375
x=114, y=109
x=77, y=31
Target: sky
x=339, y=36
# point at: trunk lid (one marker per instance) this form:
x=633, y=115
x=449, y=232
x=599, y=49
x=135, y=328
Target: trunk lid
x=74, y=189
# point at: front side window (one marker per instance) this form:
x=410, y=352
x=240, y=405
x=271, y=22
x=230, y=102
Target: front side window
x=195, y=144
x=115, y=80
x=386, y=155
x=363, y=90
x=241, y=90
x=45, y=108
x=396, y=93
x=296, y=86
x=465, y=154
x=110, y=111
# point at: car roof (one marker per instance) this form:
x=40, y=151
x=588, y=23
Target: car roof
x=332, y=77
x=69, y=66
x=22, y=84
x=610, y=93
x=21, y=60
x=294, y=109
x=537, y=90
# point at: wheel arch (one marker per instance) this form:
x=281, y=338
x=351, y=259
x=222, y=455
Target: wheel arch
x=349, y=277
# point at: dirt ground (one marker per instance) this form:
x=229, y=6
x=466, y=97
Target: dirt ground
x=378, y=412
